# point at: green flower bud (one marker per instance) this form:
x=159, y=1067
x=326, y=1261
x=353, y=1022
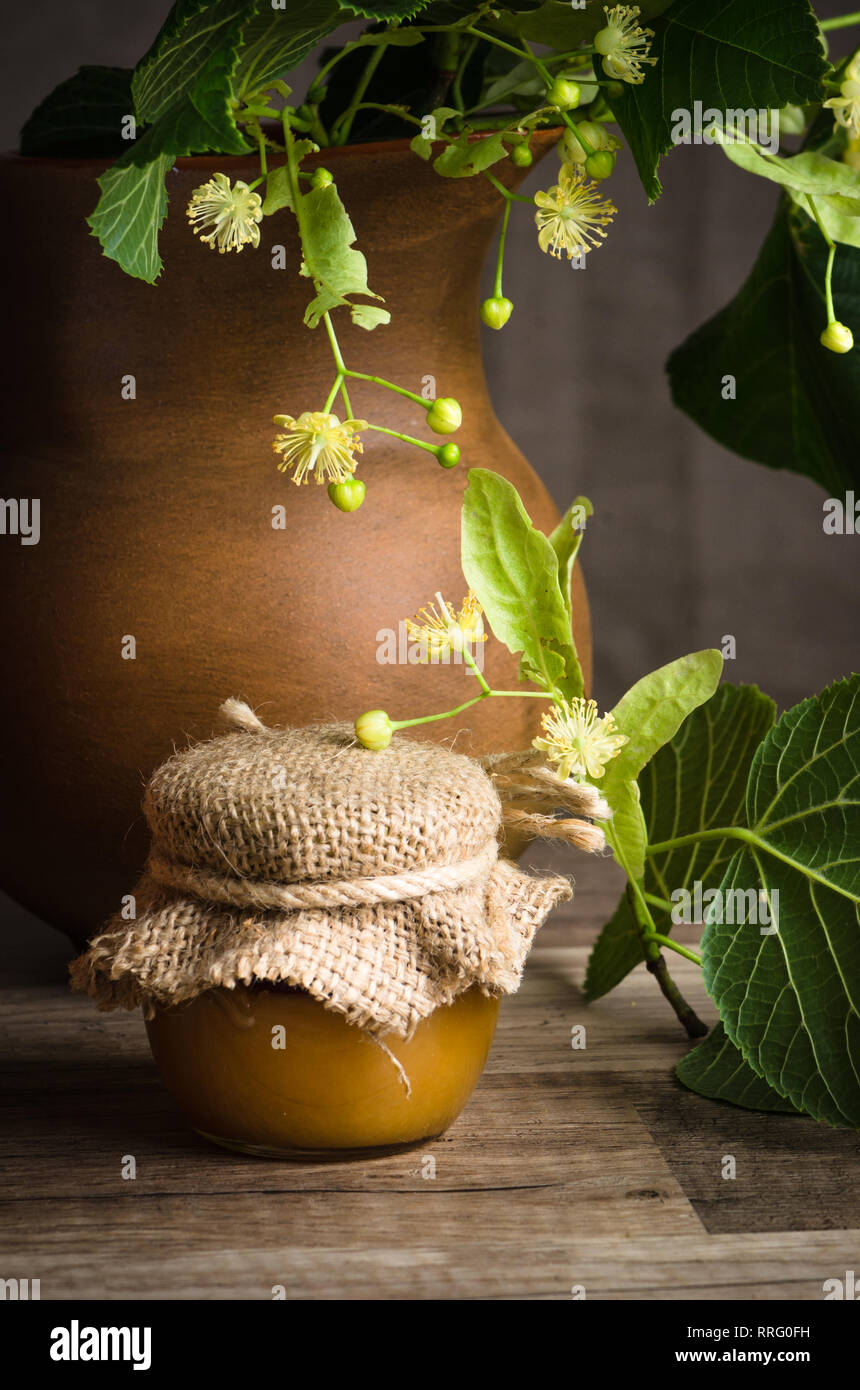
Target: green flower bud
x=837, y=337
x=348, y=495
x=321, y=178
x=448, y=455
x=496, y=312
x=614, y=90
x=316, y=94
x=373, y=730
x=596, y=135
x=563, y=94
x=444, y=415
x=521, y=155
x=600, y=164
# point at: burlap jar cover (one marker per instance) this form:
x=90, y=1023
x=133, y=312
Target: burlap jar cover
x=370, y=880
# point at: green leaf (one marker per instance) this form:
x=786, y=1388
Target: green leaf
x=839, y=216
x=513, y=570
x=520, y=78
x=337, y=269
x=279, y=194
x=617, y=951
x=387, y=9
x=275, y=41
x=697, y=781
x=423, y=143
x=130, y=214
x=815, y=183
x=797, y=405
x=566, y=540
x=716, y=1069
x=82, y=116
x=466, y=156
x=183, y=86
x=790, y=998
x=738, y=55
x=809, y=172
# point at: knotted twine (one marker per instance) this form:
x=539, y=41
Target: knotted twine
x=370, y=880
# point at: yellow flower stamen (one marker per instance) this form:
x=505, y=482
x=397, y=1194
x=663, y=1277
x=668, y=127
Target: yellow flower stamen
x=318, y=444
x=571, y=215
x=441, y=629
x=624, y=44
x=232, y=213
x=846, y=107
x=578, y=740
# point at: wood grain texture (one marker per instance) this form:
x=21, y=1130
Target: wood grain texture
x=569, y=1167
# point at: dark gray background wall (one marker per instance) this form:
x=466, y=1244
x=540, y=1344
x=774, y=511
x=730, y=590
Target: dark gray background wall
x=689, y=543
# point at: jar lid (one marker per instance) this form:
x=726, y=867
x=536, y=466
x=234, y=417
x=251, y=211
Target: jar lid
x=294, y=805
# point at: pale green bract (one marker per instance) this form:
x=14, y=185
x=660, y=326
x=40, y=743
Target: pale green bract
x=649, y=715
x=513, y=570
x=697, y=781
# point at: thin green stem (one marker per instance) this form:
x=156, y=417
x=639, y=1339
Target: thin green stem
x=497, y=288
x=406, y=438
x=652, y=941
x=675, y=946
x=432, y=718
x=261, y=146
x=476, y=671
x=456, y=85
x=345, y=396
x=840, y=22
x=487, y=694
x=335, y=346
x=687, y=1015
x=831, y=255
x=391, y=110
x=499, y=43
x=340, y=131
x=389, y=386
x=506, y=192
x=699, y=836
x=338, y=382
x=292, y=167
x=662, y=903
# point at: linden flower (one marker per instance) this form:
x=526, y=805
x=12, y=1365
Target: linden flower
x=571, y=215
x=578, y=739
x=846, y=107
x=624, y=44
x=442, y=630
x=318, y=443
x=232, y=213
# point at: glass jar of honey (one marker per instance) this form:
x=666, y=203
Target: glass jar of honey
x=268, y=1070
x=320, y=937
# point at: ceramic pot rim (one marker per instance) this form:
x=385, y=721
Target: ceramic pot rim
x=542, y=138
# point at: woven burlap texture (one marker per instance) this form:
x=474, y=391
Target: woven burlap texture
x=248, y=825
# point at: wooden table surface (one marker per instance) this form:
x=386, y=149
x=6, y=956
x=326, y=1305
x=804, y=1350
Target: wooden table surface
x=570, y=1168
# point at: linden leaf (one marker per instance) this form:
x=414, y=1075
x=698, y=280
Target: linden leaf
x=789, y=993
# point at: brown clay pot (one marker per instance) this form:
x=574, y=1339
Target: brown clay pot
x=156, y=512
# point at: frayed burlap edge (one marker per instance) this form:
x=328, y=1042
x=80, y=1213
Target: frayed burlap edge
x=354, y=962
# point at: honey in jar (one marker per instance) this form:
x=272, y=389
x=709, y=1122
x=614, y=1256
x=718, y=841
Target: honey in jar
x=270, y=1071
